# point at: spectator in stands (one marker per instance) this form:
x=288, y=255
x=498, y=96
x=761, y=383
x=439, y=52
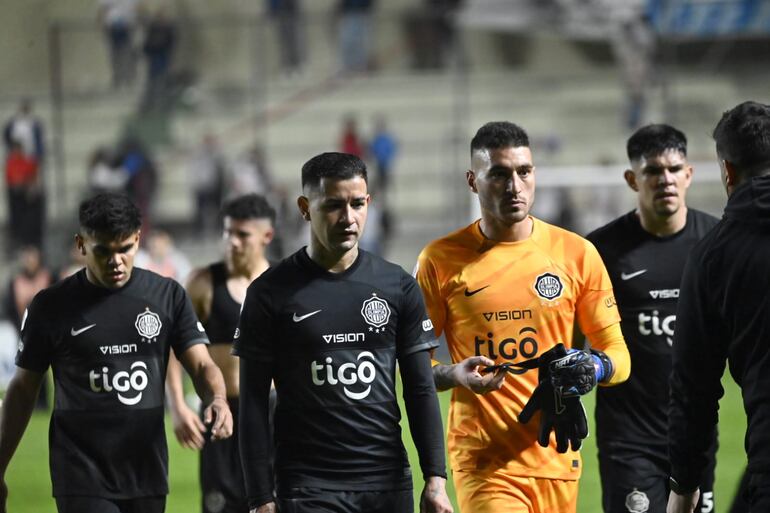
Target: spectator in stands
x=355, y=28
x=287, y=16
x=25, y=198
x=383, y=149
x=159, y=42
x=161, y=256
x=350, y=141
x=27, y=130
x=207, y=171
x=30, y=278
x=250, y=174
x=635, y=48
x=119, y=21
x=136, y=162
x=104, y=175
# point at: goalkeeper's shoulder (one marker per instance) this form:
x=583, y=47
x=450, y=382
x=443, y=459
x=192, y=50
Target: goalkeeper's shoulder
x=609, y=346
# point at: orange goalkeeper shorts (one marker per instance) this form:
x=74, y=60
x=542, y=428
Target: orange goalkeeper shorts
x=498, y=492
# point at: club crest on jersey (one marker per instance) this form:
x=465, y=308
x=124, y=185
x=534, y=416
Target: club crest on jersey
x=637, y=502
x=548, y=286
x=375, y=311
x=148, y=325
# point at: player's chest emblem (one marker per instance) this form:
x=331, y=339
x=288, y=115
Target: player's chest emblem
x=148, y=325
x=375, y=312
x=548, y=286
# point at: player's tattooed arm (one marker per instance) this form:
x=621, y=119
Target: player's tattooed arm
x=434, y=498
x=265, y=508
x=467, y=374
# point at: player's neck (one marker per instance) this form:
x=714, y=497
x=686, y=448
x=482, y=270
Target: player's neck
x=332, y=261
x=662, y=226
x=500, y=232
x=251, y=270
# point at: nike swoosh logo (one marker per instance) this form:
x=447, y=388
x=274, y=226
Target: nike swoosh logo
x=469, y=293
x=75, y=332
x=624, y=276
x=298, y=318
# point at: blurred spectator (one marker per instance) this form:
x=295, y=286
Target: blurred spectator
x=291, y=38
x=159, y=41
x=137, y=164
x=207, y=172
x=635, y=46
x=350, y=141
x=383, y=149
x=355, y=27
x=250, y=174
x=27, y=130
x=119, y=21
x=104, y=175
x=26, y=205
x=76, y=262
x=30, y=278
x=162, y=257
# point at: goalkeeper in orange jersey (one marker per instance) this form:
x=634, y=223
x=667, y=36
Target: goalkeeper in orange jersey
x=505, y=290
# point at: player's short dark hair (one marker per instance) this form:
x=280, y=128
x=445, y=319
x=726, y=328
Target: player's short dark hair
x=339, y=166
x=248, y=206
x=652, y=140
x=499, y=134
x=743, y=138
x=110, y=214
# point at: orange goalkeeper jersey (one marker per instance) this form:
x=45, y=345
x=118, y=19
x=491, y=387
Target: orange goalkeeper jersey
x=511, y=301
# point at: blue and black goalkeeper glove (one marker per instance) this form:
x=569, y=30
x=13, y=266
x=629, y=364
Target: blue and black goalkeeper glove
x=562, y=378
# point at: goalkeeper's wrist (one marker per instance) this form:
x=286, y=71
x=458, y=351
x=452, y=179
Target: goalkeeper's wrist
x=603, y=366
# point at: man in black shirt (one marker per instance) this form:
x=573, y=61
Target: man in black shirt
x=107, y=332
x=645, y=251
x=724, y=315
x=328, y=324
x=217, y=292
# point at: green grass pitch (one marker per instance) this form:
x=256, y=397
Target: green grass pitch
x=30, y=486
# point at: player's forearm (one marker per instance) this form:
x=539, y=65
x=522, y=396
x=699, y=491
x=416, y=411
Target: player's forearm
x=209, y=382
x=17, y=409
x=174, y=388
x=423, y=413
x=610, y=341
x=444, y=377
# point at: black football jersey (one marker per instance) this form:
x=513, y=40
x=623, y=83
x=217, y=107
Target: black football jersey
x=333, y=340
x=108, y=351
x=223, y=318
x=645, y=271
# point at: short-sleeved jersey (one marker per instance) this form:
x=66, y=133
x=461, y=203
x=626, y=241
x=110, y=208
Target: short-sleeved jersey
x=333, y=340
x=645, y=271
x=108, y=351
x=511, y=301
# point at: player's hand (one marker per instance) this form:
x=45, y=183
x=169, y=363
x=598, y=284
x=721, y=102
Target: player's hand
x=466, y=374
x=265, y=508
x=188, y=427
x=574, y=373
x=434, y=498
x=682, y=503
x=219, y=417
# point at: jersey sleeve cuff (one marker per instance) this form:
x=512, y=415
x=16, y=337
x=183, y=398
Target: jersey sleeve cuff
x=423, y=346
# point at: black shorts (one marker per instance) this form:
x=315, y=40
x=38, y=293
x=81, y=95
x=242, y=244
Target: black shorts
x=633, y=482
x=316, y=500
x=221, y=476
x=100, y=505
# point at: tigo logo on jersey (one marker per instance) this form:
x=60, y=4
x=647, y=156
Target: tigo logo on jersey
x=123, y=381
x=376, y=311
x=348, y=374
x=548, y=286
x=148, y=325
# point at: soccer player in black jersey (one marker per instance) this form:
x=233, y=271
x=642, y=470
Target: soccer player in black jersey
x=106, y=332
x=217, y=292
x=724, y=316
x=645, y=251
x=328, y=325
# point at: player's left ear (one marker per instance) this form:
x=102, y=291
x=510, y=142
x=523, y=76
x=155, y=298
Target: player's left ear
x=630, y=178
x=730, y=176
x=304, y=207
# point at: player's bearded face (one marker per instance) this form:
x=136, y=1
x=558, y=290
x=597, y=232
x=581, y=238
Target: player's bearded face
x=662, y=182
x=504, y=179
x=109, y=261
x=246, y=239
x=337, y=213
